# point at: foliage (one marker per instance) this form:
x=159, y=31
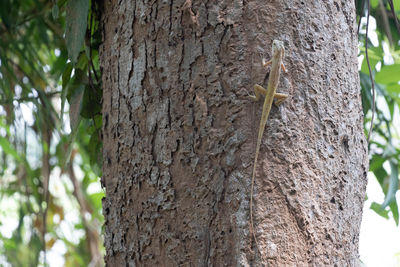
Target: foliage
x=50, y=166
x=384, y=56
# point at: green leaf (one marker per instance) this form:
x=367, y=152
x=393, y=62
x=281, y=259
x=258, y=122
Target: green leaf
x=395, y=211
x=75, y=106
x=378, y=209
x=94, y=149
x=375, y=55
x=389, y=151
x=376, y=162
x=91, y=102
x=390, y=104
x=365, y=92
x=98, y=121
x=66, y=76
x=389, y=74
x=8, y=149
x=393, y=89
x=76, y=24
x=380, y=175
x=75, y=102
x=374, y=3
x=55, y=11
x=59, y=64
x=393, y=184
x=96, y=198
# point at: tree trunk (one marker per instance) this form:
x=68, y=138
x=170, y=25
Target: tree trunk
x=180, y=134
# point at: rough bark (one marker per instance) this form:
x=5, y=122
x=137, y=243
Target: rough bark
x=180, y=134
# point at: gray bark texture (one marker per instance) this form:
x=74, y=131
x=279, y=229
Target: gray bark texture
x=180, y=134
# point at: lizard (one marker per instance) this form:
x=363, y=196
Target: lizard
x=278, y=51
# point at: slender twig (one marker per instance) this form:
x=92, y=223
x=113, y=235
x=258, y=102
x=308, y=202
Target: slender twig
x=90, y=46
x=27, y=98
x=394, y=16
x=93, y=238
x=46, y=180
x=30, y=15
x=370, y=74
x=385, y=21
x=92, y=66
x=361, y=15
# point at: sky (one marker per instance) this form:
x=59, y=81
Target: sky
x=379, y=237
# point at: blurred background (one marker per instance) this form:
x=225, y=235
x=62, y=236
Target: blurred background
x=50, y=132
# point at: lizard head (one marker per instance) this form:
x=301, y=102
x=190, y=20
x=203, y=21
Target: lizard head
x=277, y=45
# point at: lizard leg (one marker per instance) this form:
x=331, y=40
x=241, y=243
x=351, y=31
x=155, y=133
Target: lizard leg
x=283, y=68
x=270, y=62
x=279, y=98
x=258, y=90
x=265, y=64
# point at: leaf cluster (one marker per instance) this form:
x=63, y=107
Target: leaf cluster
x=50, y=131
x=383, y=44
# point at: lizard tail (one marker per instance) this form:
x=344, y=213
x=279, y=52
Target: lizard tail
x=251, y=198
x=251, y=202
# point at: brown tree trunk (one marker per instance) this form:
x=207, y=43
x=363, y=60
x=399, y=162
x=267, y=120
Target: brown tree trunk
x=180, y=134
